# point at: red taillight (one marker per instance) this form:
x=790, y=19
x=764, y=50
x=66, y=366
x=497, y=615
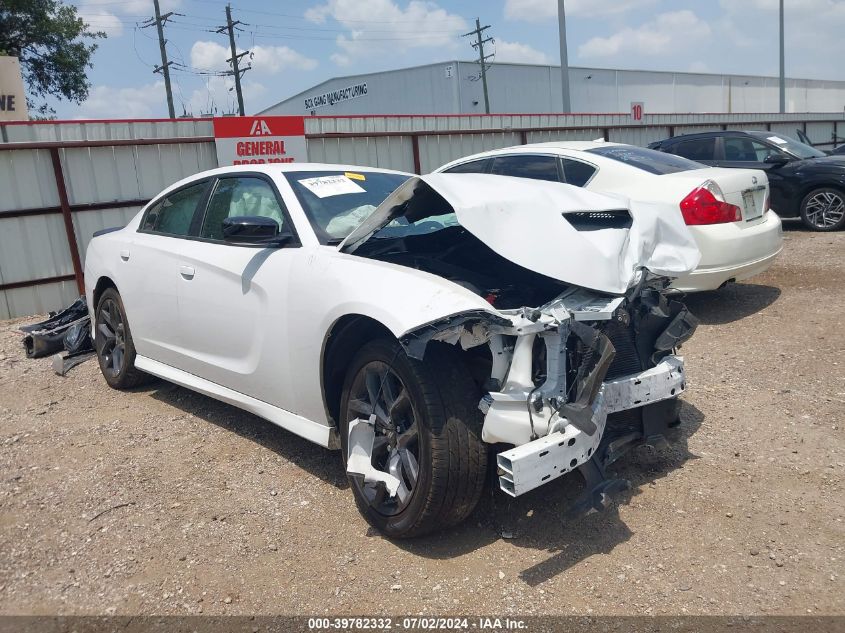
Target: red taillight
x=706, y=205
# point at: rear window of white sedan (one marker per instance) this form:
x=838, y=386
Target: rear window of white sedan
x=336, y=202
x=652, y=161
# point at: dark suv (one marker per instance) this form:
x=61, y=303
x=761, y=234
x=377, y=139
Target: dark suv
x=805, y=182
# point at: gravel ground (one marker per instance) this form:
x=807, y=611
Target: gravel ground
x=162, y=501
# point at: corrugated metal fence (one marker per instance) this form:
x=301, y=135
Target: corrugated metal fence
x=61, y=181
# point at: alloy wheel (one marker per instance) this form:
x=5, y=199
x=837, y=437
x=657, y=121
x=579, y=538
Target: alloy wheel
x=111, y=337
x=378, y=391
x=825, y=209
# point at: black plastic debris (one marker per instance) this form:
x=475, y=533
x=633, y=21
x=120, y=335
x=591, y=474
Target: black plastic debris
x=67, y=330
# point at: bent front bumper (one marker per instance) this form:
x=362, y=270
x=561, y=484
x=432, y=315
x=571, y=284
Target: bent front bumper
x=566, y=447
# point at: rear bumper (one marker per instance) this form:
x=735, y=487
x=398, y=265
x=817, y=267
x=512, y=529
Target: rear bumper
x=535, y=463
x=733, y=253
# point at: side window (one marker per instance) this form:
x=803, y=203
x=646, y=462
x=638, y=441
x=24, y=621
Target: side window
x=698, y=149
x=576, y=172
x=172, y=215
x=472, y=167
x=233, y=197
x=527, y=166
x=744, y=149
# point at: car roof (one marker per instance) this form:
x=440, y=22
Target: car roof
x=276, y=168
x=711, y=133
x=528, y=148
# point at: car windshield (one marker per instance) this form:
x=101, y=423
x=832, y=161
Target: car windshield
x=649, y=160
x=336, y=202
x=789, y=145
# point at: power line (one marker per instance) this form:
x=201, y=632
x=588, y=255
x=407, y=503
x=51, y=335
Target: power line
x=478, y=45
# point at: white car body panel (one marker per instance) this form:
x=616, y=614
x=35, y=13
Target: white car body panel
x=730, y=251
x=524, y=221
x=249, y=325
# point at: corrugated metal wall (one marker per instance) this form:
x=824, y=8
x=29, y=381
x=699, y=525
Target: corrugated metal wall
x=35, y=246
x=115, y=176
x=389, y=141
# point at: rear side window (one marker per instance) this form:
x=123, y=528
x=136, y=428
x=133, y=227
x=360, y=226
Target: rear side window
x=472, y=167
x=236, y=197
x=697, y=149
x=527, y=166
x=577, y=173
x=743, y=149
x=649, y=160
x=172, y=214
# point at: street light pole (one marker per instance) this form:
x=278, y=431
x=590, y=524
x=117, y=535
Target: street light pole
x=566, y=105
x=782, y=65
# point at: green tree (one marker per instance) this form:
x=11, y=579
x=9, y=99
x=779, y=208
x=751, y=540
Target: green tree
x=54, y=47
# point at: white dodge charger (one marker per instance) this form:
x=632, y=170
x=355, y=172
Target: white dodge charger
x=420, y=324
x=727, y=210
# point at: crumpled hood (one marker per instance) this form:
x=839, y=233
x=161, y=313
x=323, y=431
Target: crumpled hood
x=525, y=221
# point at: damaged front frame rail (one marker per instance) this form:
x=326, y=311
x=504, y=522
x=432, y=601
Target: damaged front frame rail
x=553, y=434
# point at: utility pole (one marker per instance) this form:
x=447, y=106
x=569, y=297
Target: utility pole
x=782, y=65
x=236, y=71
x=164, y=69
x=478, y=45
x=564, y=59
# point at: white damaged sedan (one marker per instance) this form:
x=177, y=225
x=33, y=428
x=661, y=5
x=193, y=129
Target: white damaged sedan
x=427, y=326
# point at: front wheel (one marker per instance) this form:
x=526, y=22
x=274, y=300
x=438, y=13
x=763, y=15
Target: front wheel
x=824, y=209
x=427, y=434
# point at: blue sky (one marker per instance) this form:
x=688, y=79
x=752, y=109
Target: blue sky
x=296, y=44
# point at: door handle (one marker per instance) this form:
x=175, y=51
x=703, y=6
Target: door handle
x=124, y=255
x=187, y=272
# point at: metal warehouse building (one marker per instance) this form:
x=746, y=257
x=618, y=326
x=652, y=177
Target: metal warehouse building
x=454, y=87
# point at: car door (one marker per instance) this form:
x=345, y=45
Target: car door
x=748, y=153
x=149, y=273
x=233, y=298
x=701, y=150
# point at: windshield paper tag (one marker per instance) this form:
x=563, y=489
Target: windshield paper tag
x=325, y=186
x=777, y=139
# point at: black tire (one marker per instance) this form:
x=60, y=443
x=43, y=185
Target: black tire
x=450, y=457
x=113, y=343
x=823, y=209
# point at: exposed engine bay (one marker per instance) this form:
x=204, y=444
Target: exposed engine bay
x=571, y=375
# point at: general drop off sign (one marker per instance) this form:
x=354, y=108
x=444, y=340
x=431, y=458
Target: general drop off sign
x=259, y=140
x=12, y=95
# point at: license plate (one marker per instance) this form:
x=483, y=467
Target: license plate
x=752, y=211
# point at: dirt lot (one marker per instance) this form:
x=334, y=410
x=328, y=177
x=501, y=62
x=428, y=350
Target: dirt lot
x=163, y=501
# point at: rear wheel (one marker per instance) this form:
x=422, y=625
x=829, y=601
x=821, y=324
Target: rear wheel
x=824, y=209
x=427, y=434
x=113, y=343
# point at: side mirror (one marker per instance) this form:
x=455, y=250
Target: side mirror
x=253, y=229
x=776, y=159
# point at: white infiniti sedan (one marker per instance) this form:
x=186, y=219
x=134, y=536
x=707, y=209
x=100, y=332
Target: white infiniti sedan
x=727, y=210
x=417, y=323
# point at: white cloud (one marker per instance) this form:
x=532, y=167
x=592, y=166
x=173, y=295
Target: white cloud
x=109, y=16
x=268, y=60
x=543, y=10
x=105, y=102
x=379, y=27
x=517, y=52
x=668, y=33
